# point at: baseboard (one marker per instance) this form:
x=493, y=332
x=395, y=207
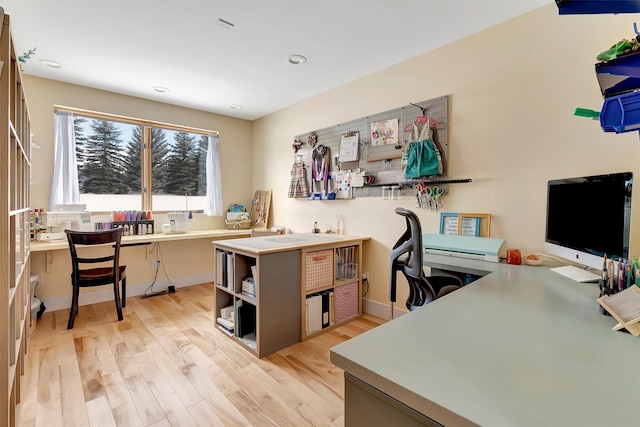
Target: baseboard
x=371, y=307
x=380, y=310
x=106, y=294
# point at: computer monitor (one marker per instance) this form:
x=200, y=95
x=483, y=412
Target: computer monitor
x=589, y=217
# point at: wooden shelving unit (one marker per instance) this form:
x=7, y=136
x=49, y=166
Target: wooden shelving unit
x=286, y=270
x=15, y=167
x=268, y=321
x=334, y=273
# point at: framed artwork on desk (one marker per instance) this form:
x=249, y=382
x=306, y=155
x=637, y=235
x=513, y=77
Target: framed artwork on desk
x=449, y=223
x=260, y=209
x=465, y=224
x=474, y=224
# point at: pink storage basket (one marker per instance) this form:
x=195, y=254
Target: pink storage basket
x=346, y=301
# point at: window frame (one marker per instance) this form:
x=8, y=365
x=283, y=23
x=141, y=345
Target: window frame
x=146, y=189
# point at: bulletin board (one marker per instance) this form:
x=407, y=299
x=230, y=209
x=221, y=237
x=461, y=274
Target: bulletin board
x=379, y=154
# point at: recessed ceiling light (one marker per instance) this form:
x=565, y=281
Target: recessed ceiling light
x=160, y=89
x=235, y=106
x=50, y=63
x=296, y=59
x=225, y=24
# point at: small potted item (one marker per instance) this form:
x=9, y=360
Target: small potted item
x=532, y=260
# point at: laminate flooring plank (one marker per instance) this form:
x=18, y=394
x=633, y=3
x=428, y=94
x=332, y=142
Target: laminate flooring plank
x=131, y=338
x=139, y=327
x=90, y=375
x=48, y=411
x=48, y=368
x=124, y=359
x=216, y=399
x=182, y=386
x=178, y=369
x=127, y=416
x=117, y=390
x=169, y=401
x=161, y=423
x=137, y=308
x=271, y=407
x=71, y=386
x=106, y=360
x=253, y=412
x=100, y=413
x=144, y=400
x=328, y=404
x=204, y=415
x=30, y=388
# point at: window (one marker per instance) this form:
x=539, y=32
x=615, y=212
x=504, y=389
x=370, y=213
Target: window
x=129, y=164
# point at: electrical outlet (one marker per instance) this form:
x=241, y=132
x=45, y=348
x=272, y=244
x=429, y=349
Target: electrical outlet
x=365, y=275
x=155, y=263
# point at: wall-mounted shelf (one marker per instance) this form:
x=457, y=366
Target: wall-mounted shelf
x=589, y=7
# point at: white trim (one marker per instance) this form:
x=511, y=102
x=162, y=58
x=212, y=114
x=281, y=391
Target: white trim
x=106, y=294
x=380, y=310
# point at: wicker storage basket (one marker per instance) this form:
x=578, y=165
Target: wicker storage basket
x=236, y=224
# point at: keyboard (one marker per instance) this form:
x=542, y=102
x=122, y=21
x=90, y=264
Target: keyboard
x=577, y=274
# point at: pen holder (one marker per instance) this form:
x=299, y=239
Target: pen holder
x=605, y=291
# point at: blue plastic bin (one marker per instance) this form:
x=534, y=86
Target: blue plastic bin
x=621, y=113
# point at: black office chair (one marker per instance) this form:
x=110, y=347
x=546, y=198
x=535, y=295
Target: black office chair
x=406, y=257
x=97, y=276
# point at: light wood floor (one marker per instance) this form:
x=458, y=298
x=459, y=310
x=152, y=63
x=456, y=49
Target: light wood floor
x=166, y=364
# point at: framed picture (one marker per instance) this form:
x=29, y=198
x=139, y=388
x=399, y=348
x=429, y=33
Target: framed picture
x=384, y=132
x=468, y=226
x=449, y=223
x=349, y=147
x=260, y=209
x=465, y=224
x=474, y=224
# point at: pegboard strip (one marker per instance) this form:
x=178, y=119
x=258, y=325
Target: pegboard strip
x=376, y=159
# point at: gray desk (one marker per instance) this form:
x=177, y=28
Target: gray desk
x=521, y=346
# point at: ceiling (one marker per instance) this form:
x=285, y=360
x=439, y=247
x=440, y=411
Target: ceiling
x=130, y=46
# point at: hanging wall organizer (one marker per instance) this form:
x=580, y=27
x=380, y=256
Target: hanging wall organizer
x=377, y=144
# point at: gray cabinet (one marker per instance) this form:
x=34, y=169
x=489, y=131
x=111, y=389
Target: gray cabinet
x=267, y=319
x=263, y=285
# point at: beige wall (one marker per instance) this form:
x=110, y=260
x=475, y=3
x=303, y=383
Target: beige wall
x=185, y=263
x=512, y=92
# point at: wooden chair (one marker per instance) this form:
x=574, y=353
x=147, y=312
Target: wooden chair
x=100, y=275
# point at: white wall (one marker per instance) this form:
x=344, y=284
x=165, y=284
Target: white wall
x=512, y=92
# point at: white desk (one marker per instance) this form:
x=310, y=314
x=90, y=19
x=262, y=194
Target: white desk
x=148, y=238
x=214, y=234
x=522, y=346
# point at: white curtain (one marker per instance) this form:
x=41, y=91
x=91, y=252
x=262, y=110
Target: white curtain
x=213, y=200
x=64, y=183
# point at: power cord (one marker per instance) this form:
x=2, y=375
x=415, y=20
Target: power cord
x=159, y=261
x=365, y=285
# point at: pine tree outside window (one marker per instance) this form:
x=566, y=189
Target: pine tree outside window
x=124, y=165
